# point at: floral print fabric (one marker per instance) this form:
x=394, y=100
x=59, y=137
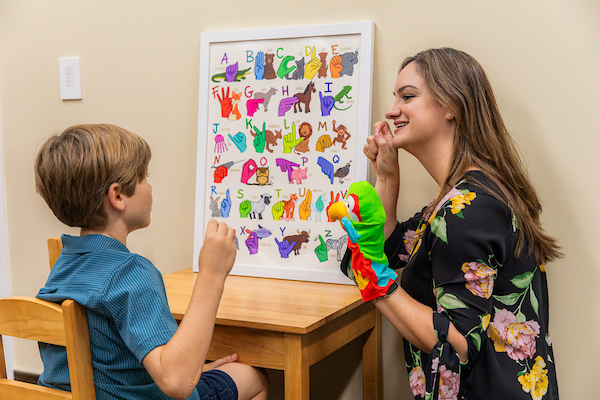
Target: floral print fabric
x=460, y=260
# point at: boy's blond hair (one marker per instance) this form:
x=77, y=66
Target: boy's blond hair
x=74, y=170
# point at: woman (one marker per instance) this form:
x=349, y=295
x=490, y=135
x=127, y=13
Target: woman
x=473, y=302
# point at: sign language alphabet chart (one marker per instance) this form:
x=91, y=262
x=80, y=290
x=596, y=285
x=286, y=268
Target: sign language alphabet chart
x=283, y=117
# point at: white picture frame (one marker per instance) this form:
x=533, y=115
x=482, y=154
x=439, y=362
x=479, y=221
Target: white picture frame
x=247, y=155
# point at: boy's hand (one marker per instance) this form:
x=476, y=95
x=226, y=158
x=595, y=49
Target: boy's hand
x=218, y=251
x=221, y=361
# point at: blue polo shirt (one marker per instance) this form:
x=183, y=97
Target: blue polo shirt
x=127, y=310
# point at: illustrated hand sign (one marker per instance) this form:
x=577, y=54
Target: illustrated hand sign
x=252, y=243
x=313, y=66
x=277, y=211
x=285, y=105
x=326, y=168
x=321, y=250
x=290, y=141
x=283, y=69
x=327, y=103
x=285, y=247
x=259, y=139
x=304, y=208
x=239, y=140
x=231, y=72
x=252, y=106
x=226, y=105
x=335, y=66
x=226, y=205
x=259, y=66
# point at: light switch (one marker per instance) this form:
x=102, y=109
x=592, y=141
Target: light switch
x=70, y=78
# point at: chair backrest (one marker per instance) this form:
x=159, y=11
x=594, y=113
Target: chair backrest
x=54, y=249
x=43, y=321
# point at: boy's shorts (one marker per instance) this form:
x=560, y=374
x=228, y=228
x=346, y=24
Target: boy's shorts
x=216, y=385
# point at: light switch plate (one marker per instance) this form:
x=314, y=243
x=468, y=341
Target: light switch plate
x=69, y=78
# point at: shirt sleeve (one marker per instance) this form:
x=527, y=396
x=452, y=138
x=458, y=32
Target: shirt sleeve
x=400, y=243
x=467, y=244
x=136, y=299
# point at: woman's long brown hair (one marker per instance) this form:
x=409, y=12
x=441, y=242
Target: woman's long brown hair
x=458, y=82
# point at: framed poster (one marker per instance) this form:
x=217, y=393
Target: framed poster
x=282, y=119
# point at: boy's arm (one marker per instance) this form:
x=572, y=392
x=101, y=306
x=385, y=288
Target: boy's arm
x=177, y=365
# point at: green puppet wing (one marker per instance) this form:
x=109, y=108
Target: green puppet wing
x=371, y=221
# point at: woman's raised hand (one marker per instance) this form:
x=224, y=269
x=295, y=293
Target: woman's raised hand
x=382, y=153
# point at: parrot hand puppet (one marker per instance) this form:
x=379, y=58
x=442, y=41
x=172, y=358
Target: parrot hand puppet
x=362, y=216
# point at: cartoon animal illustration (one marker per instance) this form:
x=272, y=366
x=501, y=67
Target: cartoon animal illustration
x=266, y=96
x=317, y=207
x=261, y=232
x=262, y=175
x=289, y=206
x=305, y=98
x=301, y=237
x=269, y=70
x=348, y=61
x=323, y=69
x=252, y=208
x=305, y=131
x=342, y=135
x=341, y=173
x=362, y=216
x=298, y=73
x=339, y=245
x=220, y=146
x=271, y=139
x=214, y=207
x=324, y=142
x=343, y=93
x=298, y=175
x=235, y=112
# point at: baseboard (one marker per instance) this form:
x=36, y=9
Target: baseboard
x=26, y=377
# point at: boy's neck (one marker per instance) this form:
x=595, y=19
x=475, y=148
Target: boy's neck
x=111, y=231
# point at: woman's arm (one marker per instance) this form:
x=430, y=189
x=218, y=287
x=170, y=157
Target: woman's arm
x=384, y=160
x=414, y=321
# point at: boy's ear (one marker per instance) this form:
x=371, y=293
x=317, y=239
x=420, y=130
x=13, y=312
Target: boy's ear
x=115, y=197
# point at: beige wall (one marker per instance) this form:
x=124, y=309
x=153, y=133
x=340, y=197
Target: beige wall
x=140, y=64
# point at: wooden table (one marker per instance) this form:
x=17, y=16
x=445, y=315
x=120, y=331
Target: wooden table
x=288, y=325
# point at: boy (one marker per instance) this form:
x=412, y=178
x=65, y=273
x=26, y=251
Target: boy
x=94, y=177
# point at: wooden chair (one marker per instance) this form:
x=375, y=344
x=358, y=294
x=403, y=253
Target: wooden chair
x=54, y=249
x=43, y=321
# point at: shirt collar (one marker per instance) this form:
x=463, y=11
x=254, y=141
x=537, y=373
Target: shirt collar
x=89, y=243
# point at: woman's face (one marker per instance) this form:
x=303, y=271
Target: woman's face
x=419, y=120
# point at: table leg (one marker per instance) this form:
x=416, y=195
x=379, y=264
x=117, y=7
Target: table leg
x=372, y=363
x=295, y=374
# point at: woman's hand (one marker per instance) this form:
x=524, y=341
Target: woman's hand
x=381, y=152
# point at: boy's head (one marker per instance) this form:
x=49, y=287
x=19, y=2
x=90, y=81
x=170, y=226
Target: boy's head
x=74, y=170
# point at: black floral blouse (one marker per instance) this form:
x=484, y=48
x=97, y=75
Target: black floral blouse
x=460, y=261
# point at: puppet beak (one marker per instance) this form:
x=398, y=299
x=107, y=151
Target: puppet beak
x=337, y=211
